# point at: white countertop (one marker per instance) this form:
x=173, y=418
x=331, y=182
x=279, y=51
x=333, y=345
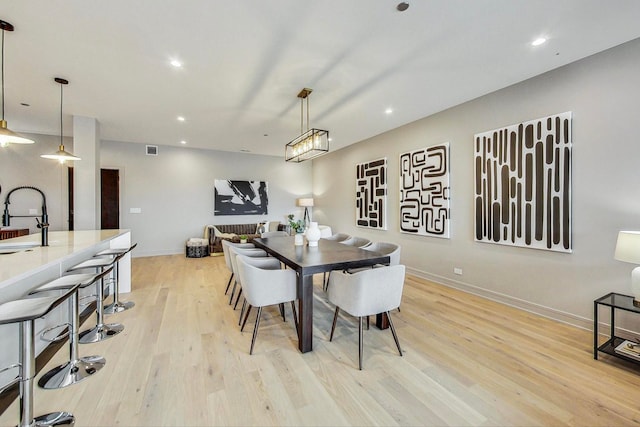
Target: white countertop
x=62, y=244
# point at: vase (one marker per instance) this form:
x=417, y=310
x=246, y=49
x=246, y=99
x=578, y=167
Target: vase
x=298, y=239
x=313, y=234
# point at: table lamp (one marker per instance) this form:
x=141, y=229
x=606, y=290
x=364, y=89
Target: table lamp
x=628, y=250
x=306, y=203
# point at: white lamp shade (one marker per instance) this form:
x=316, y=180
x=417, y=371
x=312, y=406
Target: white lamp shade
x=628, y=247
x=305, y=202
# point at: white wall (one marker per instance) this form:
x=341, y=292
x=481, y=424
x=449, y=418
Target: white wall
x=174, y=190
x=602, y=91
x=22, y=165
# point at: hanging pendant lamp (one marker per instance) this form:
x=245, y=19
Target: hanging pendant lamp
x=61, y=155
x=7, y=136
x=312, y=143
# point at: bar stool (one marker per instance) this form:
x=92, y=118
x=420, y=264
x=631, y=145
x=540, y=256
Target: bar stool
x=102, y=330
x=77, y=368
x=26, y=311
x=117, y=253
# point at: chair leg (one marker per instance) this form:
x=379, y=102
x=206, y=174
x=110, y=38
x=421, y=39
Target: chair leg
x=360, y=343
x=244, y=306
x=281, y=305
x=246, y=316
x=237, y=299
x=255, y=330
x=395, y=336
x=228, y=284
x=367, y=323
x=295, y=316
x=233, y=291
x=333, y=327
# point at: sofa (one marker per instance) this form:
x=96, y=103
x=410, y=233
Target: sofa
x=232, y=232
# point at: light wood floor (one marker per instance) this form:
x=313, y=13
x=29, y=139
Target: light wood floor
x=182, y=360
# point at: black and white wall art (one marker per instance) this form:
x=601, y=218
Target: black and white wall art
x=240, y=197
x=425, y=191
x=523, y=184
x=371, y=194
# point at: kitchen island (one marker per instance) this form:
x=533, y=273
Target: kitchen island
x=23, y=268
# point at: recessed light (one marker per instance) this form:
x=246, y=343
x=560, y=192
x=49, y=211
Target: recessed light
x=388, y=111
x=538, y=41
x=402, y=6
x=180, y=119
x=244, y=150
x=176, y=63
x=330, y=139
x=183, y=142
x=24, y=104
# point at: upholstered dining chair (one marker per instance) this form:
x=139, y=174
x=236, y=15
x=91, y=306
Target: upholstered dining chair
x=227, y=259
x=384, y=248
x=338, y=237
x=233, y=251
x=367, y=293
x=264, y=287
x=274, y=234
x=358, y=242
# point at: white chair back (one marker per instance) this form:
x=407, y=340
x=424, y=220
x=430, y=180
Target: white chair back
x=274, y=234
x=338, y=237
x=384, y=248
x=265, y=286
x=233, y=252
x=358, y=242
x=225, y=251
x=367, y=292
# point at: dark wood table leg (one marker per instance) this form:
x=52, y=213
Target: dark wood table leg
x=305, y=313
x=382, y=321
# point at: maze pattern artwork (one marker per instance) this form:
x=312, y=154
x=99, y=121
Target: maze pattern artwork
x=371, y=194
x=425, y=191
x=523, y=184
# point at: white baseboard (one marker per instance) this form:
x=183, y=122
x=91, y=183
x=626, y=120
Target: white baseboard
x=548, y=312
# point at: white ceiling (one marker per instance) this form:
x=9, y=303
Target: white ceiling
x=246, y=60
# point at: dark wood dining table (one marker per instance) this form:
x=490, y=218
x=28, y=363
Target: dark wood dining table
x=307, y=261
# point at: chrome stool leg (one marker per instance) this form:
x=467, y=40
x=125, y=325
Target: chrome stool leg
x=102, y=330
x=76, y=369
x=117, y=306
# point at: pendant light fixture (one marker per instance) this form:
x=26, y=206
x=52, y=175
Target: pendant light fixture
x=310, y=144
x=7, y=136
x=61, y=155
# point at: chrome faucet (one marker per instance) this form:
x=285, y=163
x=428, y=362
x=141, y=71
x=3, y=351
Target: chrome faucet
x=42, y=219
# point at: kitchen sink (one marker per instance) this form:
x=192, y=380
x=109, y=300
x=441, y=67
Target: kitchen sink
x=13, y=247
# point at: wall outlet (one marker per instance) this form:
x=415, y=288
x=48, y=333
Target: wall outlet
x=135, y=210
x=33, y=211
x=457, y=271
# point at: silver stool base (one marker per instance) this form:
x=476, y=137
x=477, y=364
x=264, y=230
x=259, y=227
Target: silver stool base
x=55, y=419
x=71, y=372
x=100, y=333
x=117, y=307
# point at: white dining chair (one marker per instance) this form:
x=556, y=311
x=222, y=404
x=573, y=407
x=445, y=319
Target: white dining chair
x=227, y=259
x=358, y=242
x=233, y=251
x=264, y=287
x=338, y=237
x=267, y=234
x=367, y=293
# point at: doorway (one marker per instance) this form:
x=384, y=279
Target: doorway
x=110, y=199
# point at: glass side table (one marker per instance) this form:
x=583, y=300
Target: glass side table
x=615, y=302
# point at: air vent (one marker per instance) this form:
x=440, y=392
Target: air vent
x=152, y=150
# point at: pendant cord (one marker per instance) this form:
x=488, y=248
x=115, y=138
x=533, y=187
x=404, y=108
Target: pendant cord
x=2, y=72
x=61, y=115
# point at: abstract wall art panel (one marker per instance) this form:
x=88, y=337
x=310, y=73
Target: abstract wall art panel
x=523, y=184
x=425, y=191
x=371, y=194
x=240, y=197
